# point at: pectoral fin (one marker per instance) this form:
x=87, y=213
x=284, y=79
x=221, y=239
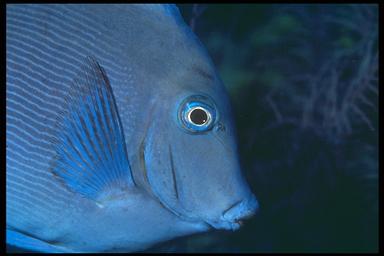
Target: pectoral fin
x=91, y=154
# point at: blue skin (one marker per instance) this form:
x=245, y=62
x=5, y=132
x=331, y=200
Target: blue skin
x=211, y=173
x=174, y=178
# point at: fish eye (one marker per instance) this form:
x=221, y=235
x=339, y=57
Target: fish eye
x=198, y=116
x=197, y=113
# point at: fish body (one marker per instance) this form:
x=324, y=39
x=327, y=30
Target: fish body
x=119, y=130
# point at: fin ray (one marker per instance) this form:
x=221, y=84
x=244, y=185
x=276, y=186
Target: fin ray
x=91, y=155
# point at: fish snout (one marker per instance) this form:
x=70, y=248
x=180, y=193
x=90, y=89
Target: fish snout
x=232, y=218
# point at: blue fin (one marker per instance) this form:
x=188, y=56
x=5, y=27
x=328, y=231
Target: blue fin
x=91, y=154
x=26, y=242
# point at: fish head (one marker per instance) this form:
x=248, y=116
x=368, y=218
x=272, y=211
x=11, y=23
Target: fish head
x=185, y=140
x=190, y=151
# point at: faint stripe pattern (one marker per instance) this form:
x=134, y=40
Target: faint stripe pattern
x=44, y=51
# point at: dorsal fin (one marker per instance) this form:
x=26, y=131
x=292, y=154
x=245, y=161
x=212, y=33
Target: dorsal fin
x=91, y=155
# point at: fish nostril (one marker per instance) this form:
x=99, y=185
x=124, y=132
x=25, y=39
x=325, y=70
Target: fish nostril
x=241, y=210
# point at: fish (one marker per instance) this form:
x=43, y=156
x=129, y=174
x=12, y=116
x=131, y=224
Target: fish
x=119, y=131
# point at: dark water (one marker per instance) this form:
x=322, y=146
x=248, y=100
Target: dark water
x=304, y=84
x=303, y=80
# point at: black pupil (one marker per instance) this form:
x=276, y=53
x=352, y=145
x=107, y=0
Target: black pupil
x=199, y=116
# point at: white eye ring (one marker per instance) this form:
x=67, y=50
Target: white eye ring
x=197, y=114
x=203, y=114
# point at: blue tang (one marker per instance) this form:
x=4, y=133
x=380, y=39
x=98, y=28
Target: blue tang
x=119, y=130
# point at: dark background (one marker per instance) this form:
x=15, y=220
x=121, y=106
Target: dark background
x=303, y=80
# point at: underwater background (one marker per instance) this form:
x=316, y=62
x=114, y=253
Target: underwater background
x=303, y=80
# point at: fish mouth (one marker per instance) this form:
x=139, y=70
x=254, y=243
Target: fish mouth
x=228, y=225
x=225, y=225
x=233, y=218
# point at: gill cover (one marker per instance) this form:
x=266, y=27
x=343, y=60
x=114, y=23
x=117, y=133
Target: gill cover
x=191, y=162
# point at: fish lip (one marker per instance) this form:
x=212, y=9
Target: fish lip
x=241, y=210
x=225, y=225
x=234, y=216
